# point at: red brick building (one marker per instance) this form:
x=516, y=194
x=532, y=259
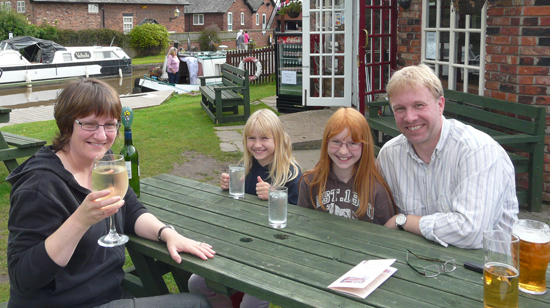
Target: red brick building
x=118, y=15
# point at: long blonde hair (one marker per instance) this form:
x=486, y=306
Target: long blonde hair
x=366, y=173
x=284, y=168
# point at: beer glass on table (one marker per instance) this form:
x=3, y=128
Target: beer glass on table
x=500, y=269
x=109, y=172
x=534, y=255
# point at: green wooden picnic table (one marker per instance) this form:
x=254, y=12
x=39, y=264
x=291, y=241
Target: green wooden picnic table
x=292, y=267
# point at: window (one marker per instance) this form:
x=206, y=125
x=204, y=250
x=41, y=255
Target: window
x=93, y=8
x=127, y=23
x=452, y=46
x=6, y=6
x=242, y=18
x=67, y=57
x=20, y=6
x=264, y=21
x=100, y=55
x=198, y=19
x=257, y=19
x=229, y=21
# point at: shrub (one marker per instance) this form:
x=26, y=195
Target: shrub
x=90, y=37
x=209, y=38
x=149, y=39
x=15, y=23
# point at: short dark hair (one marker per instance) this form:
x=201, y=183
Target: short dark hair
x=81, y=98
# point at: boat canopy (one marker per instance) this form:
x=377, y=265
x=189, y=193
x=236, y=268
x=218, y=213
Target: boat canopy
x=34, y=49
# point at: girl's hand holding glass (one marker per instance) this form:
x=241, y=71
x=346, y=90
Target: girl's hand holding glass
x=262, y=189
x=224, y=181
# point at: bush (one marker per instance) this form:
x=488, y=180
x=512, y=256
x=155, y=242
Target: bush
x=90, y=37
x=149, y=39
x=15, y=23
x=209, y=38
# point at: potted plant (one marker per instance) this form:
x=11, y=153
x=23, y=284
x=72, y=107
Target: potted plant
x=292, y=8
x=468, y=7
x=155, y=71
x=251, y=43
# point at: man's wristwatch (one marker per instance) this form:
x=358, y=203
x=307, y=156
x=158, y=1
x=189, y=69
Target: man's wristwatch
x=162, y=229
x=400, y=221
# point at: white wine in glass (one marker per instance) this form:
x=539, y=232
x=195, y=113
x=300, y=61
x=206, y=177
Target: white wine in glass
x=110, y=173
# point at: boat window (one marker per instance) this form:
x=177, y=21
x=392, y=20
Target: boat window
x=2, y=46
x=67, y=57
x=98, y=55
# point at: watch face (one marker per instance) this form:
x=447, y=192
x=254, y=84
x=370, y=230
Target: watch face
x=400, y=219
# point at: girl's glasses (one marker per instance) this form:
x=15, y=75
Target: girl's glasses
x=433, y=270
x=336, y=144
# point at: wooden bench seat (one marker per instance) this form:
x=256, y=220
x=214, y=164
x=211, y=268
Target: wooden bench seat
x=226, y=97
x=14, y=146
x=519, y=128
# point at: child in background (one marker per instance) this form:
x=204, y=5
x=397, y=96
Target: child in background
x=268, y=162
x=346, y=179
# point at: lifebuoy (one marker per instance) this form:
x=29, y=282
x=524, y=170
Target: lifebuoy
x=258, y=67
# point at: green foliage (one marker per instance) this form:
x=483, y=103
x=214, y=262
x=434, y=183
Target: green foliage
x=15, y=23
x=209, y=38
x=149, y=39
x=90, y=37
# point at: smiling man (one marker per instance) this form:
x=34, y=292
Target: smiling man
x=450, y=181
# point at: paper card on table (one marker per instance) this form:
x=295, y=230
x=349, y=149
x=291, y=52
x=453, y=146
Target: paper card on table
x=364, y=292
x=361, y=276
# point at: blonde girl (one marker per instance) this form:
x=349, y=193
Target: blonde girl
x=268, y=162
x=345, y=182
x=268, y=157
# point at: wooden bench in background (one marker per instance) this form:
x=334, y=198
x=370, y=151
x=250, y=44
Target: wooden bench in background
x=20, y=146
x=228, y=96
x=519, y=128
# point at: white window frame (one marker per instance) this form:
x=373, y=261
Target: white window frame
x=264, y=21
x=242, y=18
x=450, y=64
x=6, y=6
x=127, y=23
x=20, y=6
x=257, y=19
x=229, y=21
x=93, y=8
x=198, y=19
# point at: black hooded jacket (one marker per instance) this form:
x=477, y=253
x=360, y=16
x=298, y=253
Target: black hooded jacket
x=44, y=194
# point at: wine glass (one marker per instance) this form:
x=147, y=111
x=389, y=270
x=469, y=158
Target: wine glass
x=110, y=173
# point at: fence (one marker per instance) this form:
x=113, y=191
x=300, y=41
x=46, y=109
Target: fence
x=266, y=56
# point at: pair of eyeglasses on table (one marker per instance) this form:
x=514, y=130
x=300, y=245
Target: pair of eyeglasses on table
x=442, y=265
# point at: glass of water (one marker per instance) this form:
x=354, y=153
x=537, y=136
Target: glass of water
x=277, y=206
x=236, y=181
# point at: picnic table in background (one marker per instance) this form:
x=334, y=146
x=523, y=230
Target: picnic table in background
x=21, y=146
x=291, y=267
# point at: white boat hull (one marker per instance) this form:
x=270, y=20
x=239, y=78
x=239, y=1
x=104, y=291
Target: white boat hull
x=148, y=84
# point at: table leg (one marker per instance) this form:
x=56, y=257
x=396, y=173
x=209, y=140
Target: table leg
x=10, y=163
x=150, y=273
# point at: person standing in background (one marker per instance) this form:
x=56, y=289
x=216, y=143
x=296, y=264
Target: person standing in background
x=173, y=65
x=238, y=36
x=246, y=38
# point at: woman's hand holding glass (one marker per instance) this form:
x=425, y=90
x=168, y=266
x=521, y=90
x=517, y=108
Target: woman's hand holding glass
x=92, y=210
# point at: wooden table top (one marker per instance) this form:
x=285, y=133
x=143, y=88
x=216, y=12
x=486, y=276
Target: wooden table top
x=292, y=267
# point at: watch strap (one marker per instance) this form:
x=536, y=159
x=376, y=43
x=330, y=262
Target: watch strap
x=162, y=229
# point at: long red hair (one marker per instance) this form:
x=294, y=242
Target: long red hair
x=366, y=173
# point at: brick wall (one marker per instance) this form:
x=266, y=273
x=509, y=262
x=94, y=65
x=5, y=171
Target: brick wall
x=518, y=59
x=409, y=34
x=75, y=16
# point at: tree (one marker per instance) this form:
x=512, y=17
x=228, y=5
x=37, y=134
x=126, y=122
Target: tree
x=149, y=39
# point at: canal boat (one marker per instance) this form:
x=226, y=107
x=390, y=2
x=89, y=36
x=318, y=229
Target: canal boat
x=192, y=66
x=25, y=60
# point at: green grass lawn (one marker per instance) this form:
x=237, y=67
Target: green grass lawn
x=161, y=134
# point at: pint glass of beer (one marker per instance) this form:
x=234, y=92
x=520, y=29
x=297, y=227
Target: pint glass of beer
x=500, y=269
x=534, y=255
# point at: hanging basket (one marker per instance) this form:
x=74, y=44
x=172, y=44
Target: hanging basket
x=468, y=7
x=293, y=14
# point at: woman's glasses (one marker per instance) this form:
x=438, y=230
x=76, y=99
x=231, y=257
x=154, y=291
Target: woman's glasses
x=336, y=144
x=448, y=265
x=90, y=126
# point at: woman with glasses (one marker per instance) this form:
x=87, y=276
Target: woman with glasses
x=345, y=182
x=55, y=220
